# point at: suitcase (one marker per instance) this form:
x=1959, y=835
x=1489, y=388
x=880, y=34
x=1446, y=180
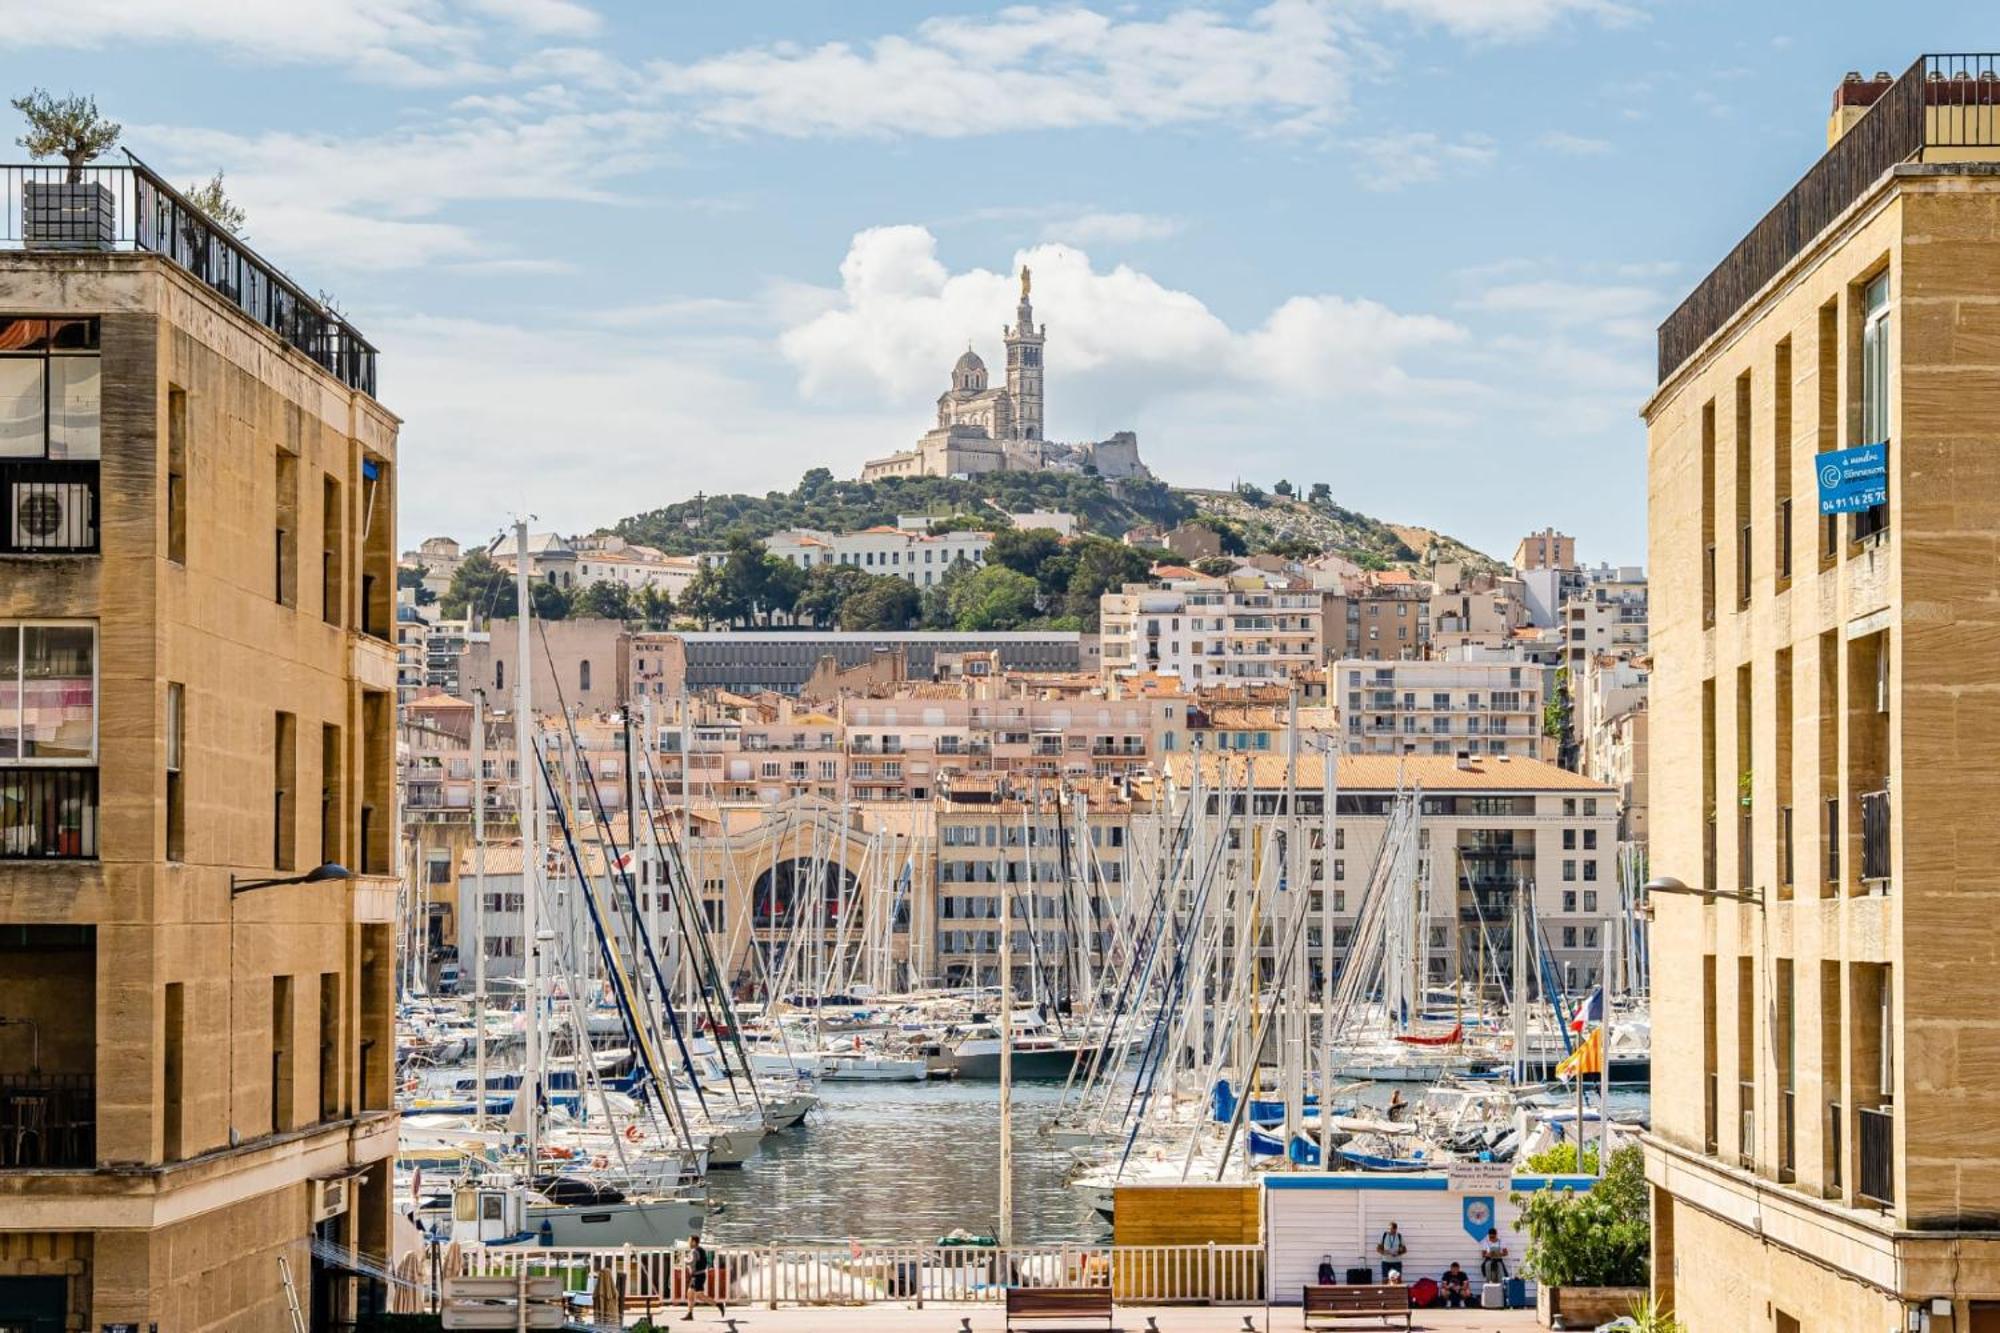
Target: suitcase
x=1360, y=1277
x=1517, y=1293
x=1493, y=1296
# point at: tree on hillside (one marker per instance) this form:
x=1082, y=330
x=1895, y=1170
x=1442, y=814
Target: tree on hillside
x=479, y=588
x=885, y=604
x=783, y=582
x=602, y=600
x=1320, y=494
x=824, y=589
x=549, y=601
x=1023, y=549
x=1100, y=566
x=1215, y=566
x=1294, y=548
x=1283, y=488
x=996, y=598
x=1250, y=492
x=707, y=599
x=654, y=607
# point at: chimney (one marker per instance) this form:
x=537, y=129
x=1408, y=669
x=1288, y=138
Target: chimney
x=1465, y=760
x=1852, y=99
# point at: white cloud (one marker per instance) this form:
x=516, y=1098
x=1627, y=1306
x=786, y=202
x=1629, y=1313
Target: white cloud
x=1118, y=335
x=374, y=202
x=1507, y=19
x=1416, y=157
x=1112, y=228
x=1574, y=145
x=1031, y=68
x=402, y=41
x=594, y=424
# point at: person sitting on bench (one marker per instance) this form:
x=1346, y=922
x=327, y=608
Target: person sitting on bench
x=1455, y=1286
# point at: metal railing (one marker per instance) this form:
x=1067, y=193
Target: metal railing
x=130, y=207
x=1875, y=1137
x=1941, y=101
x=47, y=1121
x=1875, y=836
x=851, y=1274
x=51, y=506
x=48, y=814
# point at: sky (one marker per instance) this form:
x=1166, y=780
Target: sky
x=617, y=253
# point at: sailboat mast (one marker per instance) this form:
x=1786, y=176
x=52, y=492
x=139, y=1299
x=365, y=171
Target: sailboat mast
x=526, y=751
x=478, y=933
x=1006, y=1228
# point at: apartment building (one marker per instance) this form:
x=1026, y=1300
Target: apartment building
x=1207, y=630
x=1379, y=616
x=667, y=665
x=582, y=664
x=1547, y=549
x=197, y=805
x=1490, y=827
x=914, y=556
x=1605, y=615
x=1439, y=707
x=1059, y=852
x=901, y=742
x=1474, y=609
x=1826, y=1130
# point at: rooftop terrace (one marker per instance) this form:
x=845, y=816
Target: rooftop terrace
x=96, y=208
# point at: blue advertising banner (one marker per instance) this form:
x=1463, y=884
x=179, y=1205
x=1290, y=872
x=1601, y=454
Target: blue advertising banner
x=1851, y=480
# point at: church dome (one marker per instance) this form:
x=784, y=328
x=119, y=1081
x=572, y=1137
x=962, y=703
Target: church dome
x=969, y=374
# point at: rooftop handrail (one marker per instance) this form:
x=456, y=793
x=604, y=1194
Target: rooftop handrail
x=1963, y=89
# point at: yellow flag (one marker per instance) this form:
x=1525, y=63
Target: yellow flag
x=1586, y=1059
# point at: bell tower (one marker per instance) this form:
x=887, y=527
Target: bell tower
x=1024, y=367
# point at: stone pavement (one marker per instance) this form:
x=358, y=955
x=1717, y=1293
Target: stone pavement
x=1131, y=1319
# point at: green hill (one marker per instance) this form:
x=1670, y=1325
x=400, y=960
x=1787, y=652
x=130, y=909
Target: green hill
x=1260, y=521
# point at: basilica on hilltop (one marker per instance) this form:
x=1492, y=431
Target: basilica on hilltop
x=981, y=428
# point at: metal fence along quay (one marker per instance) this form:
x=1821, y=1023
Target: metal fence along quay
x=856, y=1274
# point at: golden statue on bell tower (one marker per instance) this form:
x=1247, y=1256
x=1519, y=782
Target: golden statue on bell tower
x=1024, y=282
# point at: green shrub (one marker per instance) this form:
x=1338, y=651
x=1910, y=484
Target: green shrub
x=1598, y=1238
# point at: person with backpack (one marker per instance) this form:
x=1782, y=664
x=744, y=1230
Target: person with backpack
x=1392, y=1249
x=700, y=1261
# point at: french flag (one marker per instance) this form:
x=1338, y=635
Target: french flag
x=1589, y=1012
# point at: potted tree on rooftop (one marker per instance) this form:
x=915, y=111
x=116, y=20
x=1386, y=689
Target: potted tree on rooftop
x=69, y=214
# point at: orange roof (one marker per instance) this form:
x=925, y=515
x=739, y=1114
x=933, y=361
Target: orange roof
x=1394, y=576
x=1175, y=572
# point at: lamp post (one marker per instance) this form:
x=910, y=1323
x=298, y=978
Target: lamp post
x=319, y=874
x=1668, y=884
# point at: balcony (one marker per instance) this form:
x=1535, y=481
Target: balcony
x=1876, y=1142
x=48, y=814
x=1941, y=101
x=128, y=207
x=47, y=1122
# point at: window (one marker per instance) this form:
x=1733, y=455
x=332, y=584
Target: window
x=176, y=749
x=285, y=533
x=1569, y=870
x=49, y=434
x=1874, y=421
x=48, y=739
x=1590, y=870
x=284, y=776
x=177, y=473
x=583, y=674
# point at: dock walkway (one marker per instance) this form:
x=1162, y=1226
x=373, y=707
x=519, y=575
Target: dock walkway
x=935, y=1318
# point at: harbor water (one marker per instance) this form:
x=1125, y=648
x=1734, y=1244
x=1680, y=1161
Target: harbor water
x=909, y=1162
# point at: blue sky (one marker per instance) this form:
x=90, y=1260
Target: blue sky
x=614, y=253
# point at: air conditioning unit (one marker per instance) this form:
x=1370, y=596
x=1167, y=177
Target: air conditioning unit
x=51, y=516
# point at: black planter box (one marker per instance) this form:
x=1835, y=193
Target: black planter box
x=68, y=215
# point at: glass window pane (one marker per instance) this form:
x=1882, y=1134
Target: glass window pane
x=58, y=692
x=21, y=432
x=10, y=692
x=73, y=406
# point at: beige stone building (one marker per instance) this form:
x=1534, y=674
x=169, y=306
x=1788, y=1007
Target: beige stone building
x=196, y=581
x=1247, y=627
x=1826, y=1142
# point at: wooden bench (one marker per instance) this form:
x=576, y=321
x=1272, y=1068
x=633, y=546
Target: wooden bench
x=1067, y=1304
x=1326, y=1306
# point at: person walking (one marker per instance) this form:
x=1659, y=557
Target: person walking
x=700, y=1261
x=1392, y=1249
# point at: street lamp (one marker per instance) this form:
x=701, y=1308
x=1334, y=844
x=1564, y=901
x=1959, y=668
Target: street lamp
x=319, y=874
x=1668, y=884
